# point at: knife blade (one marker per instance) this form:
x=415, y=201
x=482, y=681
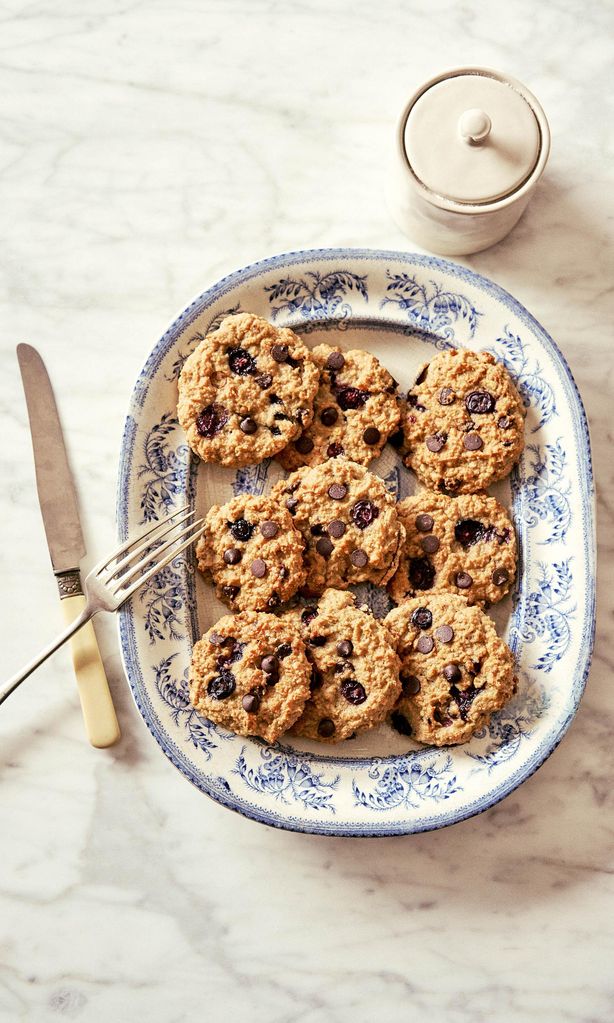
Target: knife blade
x=60, y=511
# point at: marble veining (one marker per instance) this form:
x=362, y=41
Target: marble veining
x=145, y=151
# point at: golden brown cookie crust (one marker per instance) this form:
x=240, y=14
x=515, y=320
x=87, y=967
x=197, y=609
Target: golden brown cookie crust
x=254, y=636
x=465, y=545
x=462, y=674
x=369, y=553
x=355, y=679
x=253, y=553
x=355, y=410
x=269, y=394
x=464, y=426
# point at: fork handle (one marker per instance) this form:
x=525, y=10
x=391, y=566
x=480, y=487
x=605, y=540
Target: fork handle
x=22, y=675
x=96, y=702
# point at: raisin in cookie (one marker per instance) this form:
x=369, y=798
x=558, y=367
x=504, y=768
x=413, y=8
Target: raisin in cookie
x=246, y=391
x=464, y=426
x=355, y=671
x=249, y=673
x=252, y=552
x=356, y=409
x=348, y=522
x=465, y=545
x=455, y=671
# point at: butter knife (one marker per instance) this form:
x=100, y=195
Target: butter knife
x=58, y=502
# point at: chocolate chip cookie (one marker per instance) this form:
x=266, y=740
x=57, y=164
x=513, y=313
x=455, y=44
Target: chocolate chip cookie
x=356, y=409
x=253, y=553
x=249, y=673
x=246, y=391
x=348, y=522
x=465, y=545
x=355, y=671
x=464, y=426
x=455, y=671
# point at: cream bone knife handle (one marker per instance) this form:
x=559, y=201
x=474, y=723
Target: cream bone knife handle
x=96, y=702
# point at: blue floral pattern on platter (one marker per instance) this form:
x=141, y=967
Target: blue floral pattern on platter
x=378, y=784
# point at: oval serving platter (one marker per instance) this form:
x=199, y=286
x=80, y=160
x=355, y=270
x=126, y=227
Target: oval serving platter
x=403, y=308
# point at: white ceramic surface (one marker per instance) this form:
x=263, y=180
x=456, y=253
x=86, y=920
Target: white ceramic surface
x=402, y=307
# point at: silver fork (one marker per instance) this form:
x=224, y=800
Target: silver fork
x=117, y=578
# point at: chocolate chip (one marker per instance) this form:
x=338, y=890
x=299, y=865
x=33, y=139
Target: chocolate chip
x=304, y=444
x=400, y=723
x=251, y=702
x=269, y=664
x=468, y=532
x=292, y=504
x=429, y=544
x=275, y=431
x=241, y=362
x=216, y=639
x=248, y=425
x=211, y=420
x=230, y=591
x=422, y=618
x=264, y=381
x=279, y=353
x=335, y=361
x=463, y=580
x=326, y=728
x=451, y=672
x=504, y=423
x=336, y=528
x=446, y=396
x=318, y=641
x=334, y=450
x=424, y=644
x=258, y=568
x=232, y=556
x=325, y=547
x=359, y=558
x=281, y=417
x=329, y=415
x=353, y=691
x=363, y=513
x=421, y=573
x=345, y=648
x=411, y=684
x=337, y=491
x=371, y=435
x=351, y=398
x=308, y=615
x=274, y=399
x=445, y=634
x=221, y=686
x=241, y=529
x=424, y=523
x=500, y=576
x=283, y=650
x=480, y=402
x=472, y=442
x=436, y=441
x=269, y=529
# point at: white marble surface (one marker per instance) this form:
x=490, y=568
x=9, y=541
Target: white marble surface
x=145, y=150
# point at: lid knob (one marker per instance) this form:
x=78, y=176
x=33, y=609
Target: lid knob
x=474, y=126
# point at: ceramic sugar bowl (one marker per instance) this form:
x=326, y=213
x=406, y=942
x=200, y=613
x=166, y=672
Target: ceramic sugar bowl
x=471, y=146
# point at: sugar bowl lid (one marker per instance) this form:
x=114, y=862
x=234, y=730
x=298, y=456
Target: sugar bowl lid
x=475, y=136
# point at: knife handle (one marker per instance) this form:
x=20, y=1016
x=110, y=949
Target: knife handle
x=96, y=702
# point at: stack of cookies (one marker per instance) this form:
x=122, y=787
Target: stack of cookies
x=320, y=666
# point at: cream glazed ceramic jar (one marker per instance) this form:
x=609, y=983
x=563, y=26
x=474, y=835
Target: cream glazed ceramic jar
x=471, y=145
